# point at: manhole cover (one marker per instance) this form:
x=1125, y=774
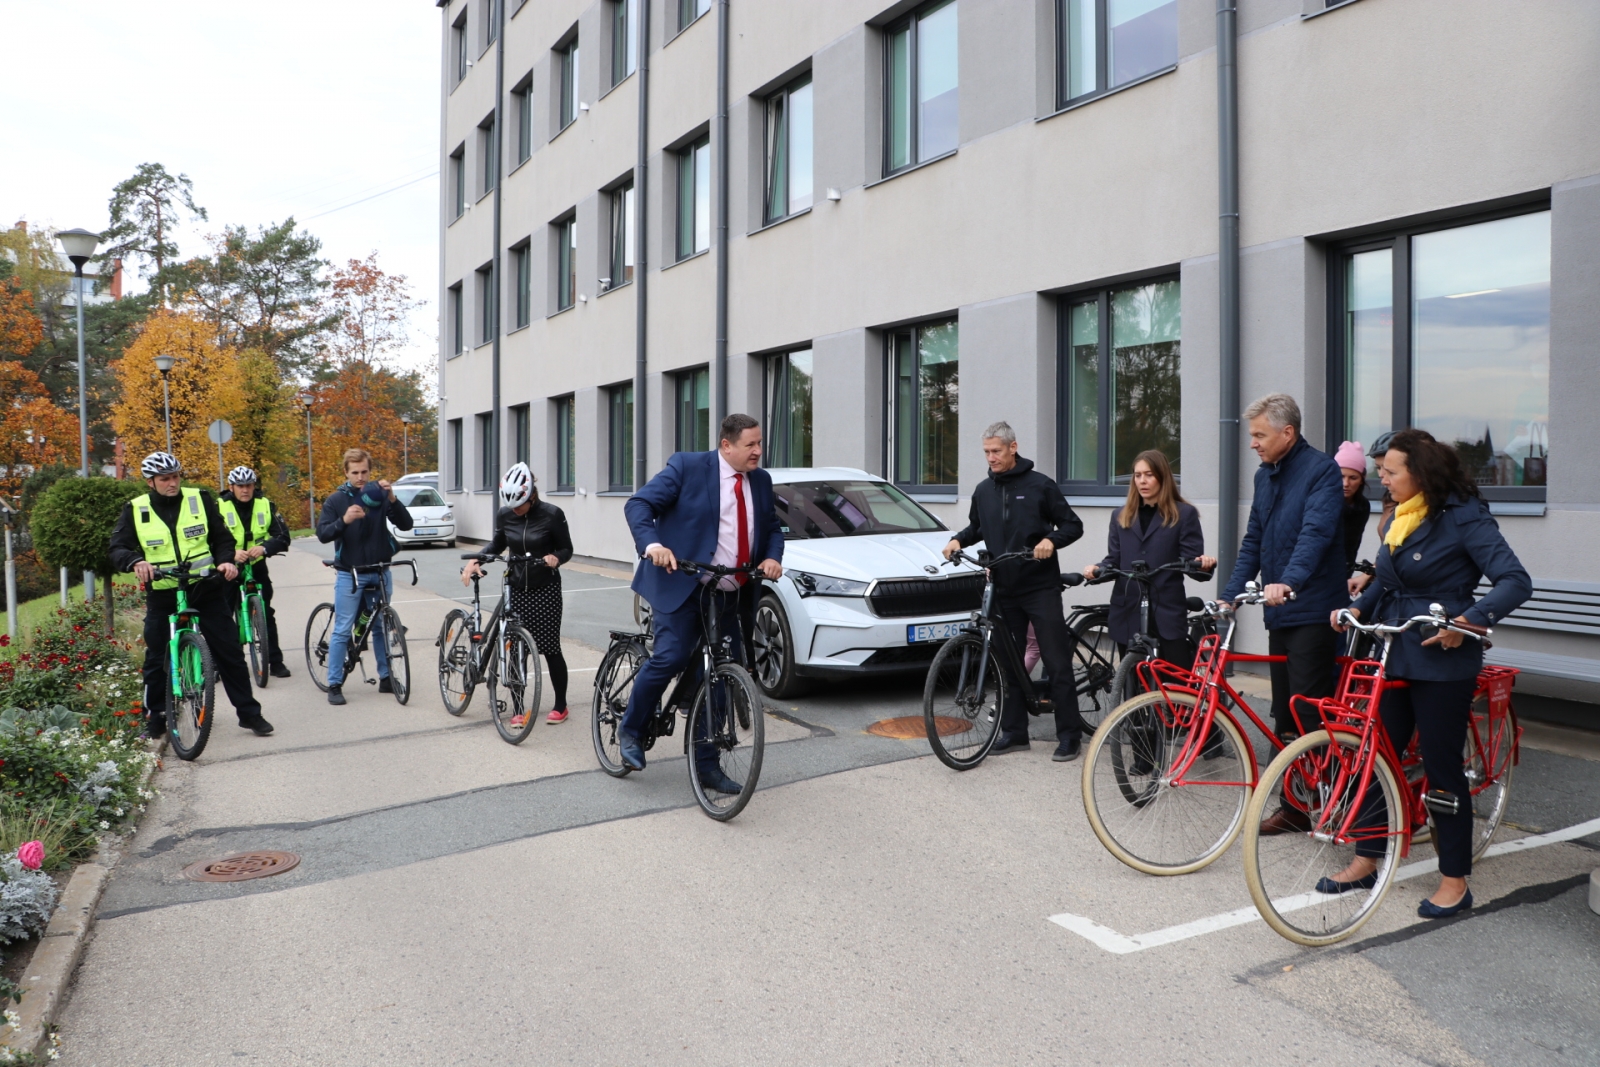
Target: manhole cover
x=242, y=867
x=911, y=727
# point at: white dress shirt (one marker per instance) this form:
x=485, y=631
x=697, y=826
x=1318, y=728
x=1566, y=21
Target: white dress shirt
x=727, y=554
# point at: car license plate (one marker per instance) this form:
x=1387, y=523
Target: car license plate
x=423, y=533
x=932, y=631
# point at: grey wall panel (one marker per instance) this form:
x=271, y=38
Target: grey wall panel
x=841, y=108
x=1201, y=365
x=1007, y=373
x=996, y=68
x=847, y=400
x=589, y=458
x=1574, y=348
x=592, y=224
x=1280, y=341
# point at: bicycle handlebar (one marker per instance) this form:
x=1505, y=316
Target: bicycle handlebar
x=689, y=566
x=1144, y=574
x=370, y=568
x=509, y=557
x=1435, y=618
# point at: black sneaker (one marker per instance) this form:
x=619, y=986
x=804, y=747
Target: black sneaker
x=278, y=670
x=385, y=686
x=1005, y=743
x=258, y=726
x=1067, y=751
x=155, y=728
x=335, y=694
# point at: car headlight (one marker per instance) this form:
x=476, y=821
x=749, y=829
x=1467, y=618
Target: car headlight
x=824, y=585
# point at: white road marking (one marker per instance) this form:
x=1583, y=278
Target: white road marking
x=1121, y=944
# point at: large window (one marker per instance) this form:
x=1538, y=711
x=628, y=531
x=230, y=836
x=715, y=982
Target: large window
x=457, y=452
x=569, y=83
x=1107, y=43
x=486, y=303
x=619, y=401
x=454, y=307
x=521, y=439
x=693, y=403
x=621, y=266
x=489, y=153
x=522, y=99
x=924, y=405
x=694, y=198
x=1448, y=329
x=624, y=39
x=522, y=274
x=566, y=263
x=689, y=10
x=923, y=95
x=788, y=409
x=485, y=431
x=458, y=180
x=788, y=171
x=1120, y=391
x=566, y=442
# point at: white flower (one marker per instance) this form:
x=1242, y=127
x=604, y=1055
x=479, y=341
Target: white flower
x=104, y=825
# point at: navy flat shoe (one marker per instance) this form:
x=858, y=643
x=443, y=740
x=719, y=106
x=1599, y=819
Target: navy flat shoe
x=1429, y=910
x=1332, y=888
x=632, y=752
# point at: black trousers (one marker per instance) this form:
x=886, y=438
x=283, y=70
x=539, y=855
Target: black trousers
x=1438, y=712
x=222, y=637
x=236, y=596
x=1309, y=672
x=1042, y=608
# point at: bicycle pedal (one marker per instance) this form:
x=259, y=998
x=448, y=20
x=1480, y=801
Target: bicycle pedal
x=369, y=681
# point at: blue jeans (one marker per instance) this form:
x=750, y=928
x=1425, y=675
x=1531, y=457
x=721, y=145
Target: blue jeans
x=350, y=590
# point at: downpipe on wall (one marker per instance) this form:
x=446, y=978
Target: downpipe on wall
x=1228, y=289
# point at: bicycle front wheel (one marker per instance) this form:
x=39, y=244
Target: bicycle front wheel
x=726, y=737
x=1094, y=658
x=1490, y=752
x=319, y=630
x=613, y=685
x=394, y=643
x=1145, y=814
x=960, y=711
x=514, y=681
x=257, y=608
x=456, y=680
x=189, y=723
x=1290, y=875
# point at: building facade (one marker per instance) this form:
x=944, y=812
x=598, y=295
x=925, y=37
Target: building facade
x=881, y=226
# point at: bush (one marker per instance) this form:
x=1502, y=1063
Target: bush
x=71, y=525
x=27, y=897
x=39, y=483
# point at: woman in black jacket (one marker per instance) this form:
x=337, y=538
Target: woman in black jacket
x=529, y=526
x=1158, y=526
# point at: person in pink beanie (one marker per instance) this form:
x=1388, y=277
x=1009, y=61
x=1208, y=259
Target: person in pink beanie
x=1352, y=463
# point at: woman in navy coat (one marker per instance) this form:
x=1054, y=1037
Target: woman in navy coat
x=1158, y=526
x=1436, y=546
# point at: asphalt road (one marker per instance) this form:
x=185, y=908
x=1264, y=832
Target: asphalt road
x=461, y=900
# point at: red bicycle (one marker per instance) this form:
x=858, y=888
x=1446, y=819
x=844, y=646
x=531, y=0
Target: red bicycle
x=1169, y=773
x=1326, y=776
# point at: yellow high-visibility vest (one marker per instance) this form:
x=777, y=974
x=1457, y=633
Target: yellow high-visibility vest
x=156, y=538
x=253, y=532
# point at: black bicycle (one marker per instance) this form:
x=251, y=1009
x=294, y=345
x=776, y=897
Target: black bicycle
x=500, y=653
x=375, y=613
x=716, y=694
x=1143, y=647
x=968, y=679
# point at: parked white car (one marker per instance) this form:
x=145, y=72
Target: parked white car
x=431, y=516
x=865, y=588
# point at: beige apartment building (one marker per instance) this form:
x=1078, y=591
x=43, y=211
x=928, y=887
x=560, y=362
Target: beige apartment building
x=881, y=226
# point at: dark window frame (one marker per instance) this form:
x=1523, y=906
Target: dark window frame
x=690, y=12
x=782, y=98
x=624, y=40
x=571, y=60
x=621, y=222
x=1397, y=238
x=458, y=179
x=566, y=261
x=566, y=442
x=1103, y=86
x=521, y=433
x=910, y=22
x=619, y=438
x=483, y=424
x=522, y=95
x=457, y=445
x=684, y=436
x=522, y=280
x=686, y=245
x=463, y=53
x=891, y=409
x=488, y=304
x=455, y=299
x=489, y=150
x=776, y=369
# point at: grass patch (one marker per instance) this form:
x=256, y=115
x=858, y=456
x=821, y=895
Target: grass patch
x=36, y=613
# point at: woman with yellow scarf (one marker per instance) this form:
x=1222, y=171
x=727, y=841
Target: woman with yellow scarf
x=1436, y=547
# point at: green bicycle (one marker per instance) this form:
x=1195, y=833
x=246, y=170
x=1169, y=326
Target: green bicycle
x=253, y=624
x=191, y=674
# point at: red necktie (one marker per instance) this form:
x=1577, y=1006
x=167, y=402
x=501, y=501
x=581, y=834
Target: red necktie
x=744, y=529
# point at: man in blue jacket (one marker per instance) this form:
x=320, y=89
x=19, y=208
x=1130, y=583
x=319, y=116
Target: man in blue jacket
x=714, y=507
x=1295, y=543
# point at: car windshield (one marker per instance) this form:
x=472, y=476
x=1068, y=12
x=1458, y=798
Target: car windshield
x=418, y=496
x=844, y=509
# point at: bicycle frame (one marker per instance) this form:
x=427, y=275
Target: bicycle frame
x=477, y=662
x=180, y=620
x=248, y=588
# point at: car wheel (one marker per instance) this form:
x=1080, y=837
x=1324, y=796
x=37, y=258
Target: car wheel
x=772, y=651
x=450, y=544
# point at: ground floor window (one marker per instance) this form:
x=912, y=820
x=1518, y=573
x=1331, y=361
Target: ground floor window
x=1120, y=392
x=925, y=405
x=566, y=442
x=788, y=409
x=520, y=435
x=456, y=451
x=1448, y=329
x=620, y=405
x=485, y=430
x=692, y=432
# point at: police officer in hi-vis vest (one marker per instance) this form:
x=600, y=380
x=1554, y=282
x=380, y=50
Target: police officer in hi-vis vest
x=258, y=532
x=168, y=525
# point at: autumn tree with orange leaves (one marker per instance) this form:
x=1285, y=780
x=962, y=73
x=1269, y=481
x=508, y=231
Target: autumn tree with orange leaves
x=34, y=432
x=204, y=385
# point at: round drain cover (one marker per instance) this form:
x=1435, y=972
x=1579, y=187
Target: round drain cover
x=242, y=867
x=911, y=727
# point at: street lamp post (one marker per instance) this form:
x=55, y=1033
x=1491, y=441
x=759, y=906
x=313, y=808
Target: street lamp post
x=405, y=445
x=79, y=245
x=164, y=365
x=311, y=495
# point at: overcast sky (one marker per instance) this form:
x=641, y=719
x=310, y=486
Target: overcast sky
x=289, y=108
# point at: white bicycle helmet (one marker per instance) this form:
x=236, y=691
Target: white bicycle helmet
x=160, y=463
x=517, y=486
x=242, y=476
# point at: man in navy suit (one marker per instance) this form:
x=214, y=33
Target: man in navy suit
x=714, y=507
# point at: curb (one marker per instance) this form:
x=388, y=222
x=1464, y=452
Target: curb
x=61, y=946
x=1594, y=892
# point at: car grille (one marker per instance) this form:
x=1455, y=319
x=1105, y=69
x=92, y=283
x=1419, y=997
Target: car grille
x=900, y=598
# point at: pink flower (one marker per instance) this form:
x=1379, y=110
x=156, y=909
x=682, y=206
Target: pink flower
x=31, y=855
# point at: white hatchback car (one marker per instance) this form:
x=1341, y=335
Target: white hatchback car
x=865, y=588
x=431, y=516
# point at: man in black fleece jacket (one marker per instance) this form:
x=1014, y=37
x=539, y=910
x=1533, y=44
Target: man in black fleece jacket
x=1017, y=509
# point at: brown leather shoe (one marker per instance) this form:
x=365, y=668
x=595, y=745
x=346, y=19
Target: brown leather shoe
x=1284, y=821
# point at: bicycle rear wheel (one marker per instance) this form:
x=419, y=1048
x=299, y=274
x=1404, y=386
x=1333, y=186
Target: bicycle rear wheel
x=394, y=643
x=1288, y=873
x=727, y=733
x=189, y=722
x=455, y=662
x=1491, y=747
x=258, y=639
x=1094, y=658
x=1138, y=812
x=514, y=681
x=319, y=630
x=613, y=685
x=962, y=719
